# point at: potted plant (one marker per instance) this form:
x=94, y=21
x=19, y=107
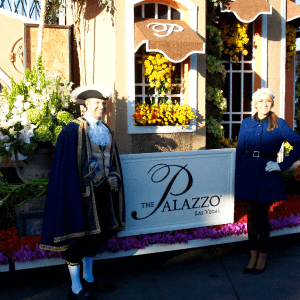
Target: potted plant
x=33, y=114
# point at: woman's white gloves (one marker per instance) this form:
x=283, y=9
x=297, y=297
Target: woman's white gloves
x=272, y=166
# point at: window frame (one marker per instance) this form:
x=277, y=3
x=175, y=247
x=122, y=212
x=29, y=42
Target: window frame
x=242, y=71
x=193, y=86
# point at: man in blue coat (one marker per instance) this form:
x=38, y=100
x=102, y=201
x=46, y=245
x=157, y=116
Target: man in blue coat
x=85, y=198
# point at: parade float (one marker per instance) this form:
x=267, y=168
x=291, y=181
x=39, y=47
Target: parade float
x=183, y=73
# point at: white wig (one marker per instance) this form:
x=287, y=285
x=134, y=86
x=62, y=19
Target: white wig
x=258, y=93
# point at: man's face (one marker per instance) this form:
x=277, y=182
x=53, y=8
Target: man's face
x=96, y=107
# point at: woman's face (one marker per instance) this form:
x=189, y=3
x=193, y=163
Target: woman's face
x=263, y=104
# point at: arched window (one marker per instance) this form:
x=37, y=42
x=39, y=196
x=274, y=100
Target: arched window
x=184, y=77
x=157, y=11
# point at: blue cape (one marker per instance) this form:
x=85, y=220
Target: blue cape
x=70, y=209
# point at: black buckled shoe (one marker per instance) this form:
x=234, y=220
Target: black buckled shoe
x=83, y=295
x=248, y=270
x=98, y=285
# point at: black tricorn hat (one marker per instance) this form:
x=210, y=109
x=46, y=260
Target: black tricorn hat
x=80, y=94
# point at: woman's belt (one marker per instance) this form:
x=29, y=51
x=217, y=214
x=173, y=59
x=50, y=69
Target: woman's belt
x=259, y=154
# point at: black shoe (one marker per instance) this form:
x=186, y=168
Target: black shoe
x=257, y=271
x=98, y=286
x=248, y=270
x=83, y=295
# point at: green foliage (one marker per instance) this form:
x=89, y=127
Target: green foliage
x=215, y=96
x=215, y=77
x=12, y=196
x=291, y=184
x=52, y=11
x=214, y=127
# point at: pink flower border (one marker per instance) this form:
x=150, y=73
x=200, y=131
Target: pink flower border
x=143, y=240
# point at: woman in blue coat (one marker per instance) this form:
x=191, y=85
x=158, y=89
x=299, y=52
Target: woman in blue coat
x=258, y=175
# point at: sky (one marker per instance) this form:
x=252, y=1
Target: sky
x=298, y=40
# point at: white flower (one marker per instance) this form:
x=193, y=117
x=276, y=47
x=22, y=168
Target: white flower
x=38, y=85
x=12, y=131
x=17, y=118
x=2, y=117
x=7, y=146
x=11, y=122
x=26, y=105
x=20, y=98
x=3, y=137
x=15, y=111
x=5, y=125
x=18, y=103
x=26, y=134
x=24, y=121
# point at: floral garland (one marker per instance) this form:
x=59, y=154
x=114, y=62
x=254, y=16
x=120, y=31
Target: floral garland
x=235, y=38
x=158, y=72
x=21, y=249
x=163, y=114
x=290, y=43
x=282, y=214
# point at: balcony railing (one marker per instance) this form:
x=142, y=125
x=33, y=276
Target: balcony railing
x=27, y=8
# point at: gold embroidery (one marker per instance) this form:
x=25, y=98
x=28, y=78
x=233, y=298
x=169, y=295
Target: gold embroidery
x=58, y=249
x=72, y=264
x=78, y=234
x=87, y=192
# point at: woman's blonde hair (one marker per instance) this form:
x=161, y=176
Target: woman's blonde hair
x=273, y=118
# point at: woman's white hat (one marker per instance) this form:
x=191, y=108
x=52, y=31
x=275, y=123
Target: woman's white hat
x=259, y=92
x=80, y=94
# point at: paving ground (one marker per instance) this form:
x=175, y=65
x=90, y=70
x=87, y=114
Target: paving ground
x=211, y=273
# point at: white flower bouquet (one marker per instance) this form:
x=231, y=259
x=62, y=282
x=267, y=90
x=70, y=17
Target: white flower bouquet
x=34, y=112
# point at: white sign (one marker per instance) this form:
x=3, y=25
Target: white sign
x=178, y=190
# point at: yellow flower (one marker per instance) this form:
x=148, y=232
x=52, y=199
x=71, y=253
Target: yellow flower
x=245, y=52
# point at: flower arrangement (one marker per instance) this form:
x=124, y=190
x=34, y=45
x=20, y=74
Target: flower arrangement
x=163, y=114
x=158, y=72
x=290, y=43
x=21, y=249
x=282, y=214
x=34, y=112
x=228, y=143
x=235, y=38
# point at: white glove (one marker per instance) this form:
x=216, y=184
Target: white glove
x=113, y=181
x=272, y=166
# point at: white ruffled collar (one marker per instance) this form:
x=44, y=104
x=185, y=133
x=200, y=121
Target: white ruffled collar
x=90, y=119
x=97, y=131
